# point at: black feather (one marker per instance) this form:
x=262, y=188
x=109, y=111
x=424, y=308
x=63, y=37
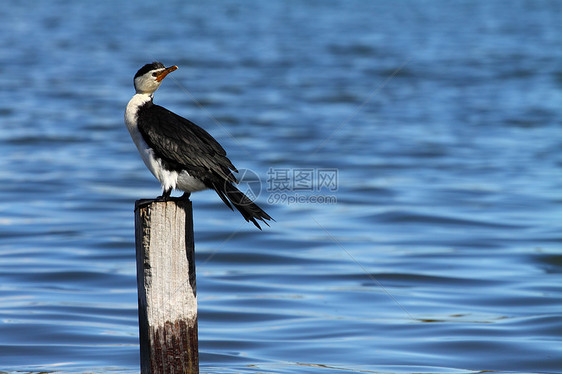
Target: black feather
x=249, y=210
x=148, y=67
x=183, y=145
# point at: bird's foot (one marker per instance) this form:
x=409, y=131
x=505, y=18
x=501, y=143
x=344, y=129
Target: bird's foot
x=165, y=195
x=185, y=196
x=160, y=199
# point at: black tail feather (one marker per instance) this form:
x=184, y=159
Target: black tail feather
x=231, y=196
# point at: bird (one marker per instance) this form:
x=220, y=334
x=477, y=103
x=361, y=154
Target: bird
x=180, y=154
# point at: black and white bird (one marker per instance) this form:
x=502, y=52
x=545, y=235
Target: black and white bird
x=180, y=154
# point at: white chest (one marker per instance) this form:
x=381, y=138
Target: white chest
x=131, y=120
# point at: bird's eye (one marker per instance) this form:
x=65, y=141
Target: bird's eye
x=154, y=74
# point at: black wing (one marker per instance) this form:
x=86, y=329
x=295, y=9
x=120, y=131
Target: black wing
x=184, y=146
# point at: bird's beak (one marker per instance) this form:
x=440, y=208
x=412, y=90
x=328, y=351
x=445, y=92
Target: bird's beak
x=163, y=74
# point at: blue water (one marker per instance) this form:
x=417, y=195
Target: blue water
x=439, y=249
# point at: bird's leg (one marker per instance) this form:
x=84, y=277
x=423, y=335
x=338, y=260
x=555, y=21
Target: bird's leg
x=185, y=196
x=165, y=195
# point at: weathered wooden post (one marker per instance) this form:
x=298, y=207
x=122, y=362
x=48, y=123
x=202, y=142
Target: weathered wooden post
x=166, y=287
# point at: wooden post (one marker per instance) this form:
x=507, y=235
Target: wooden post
x=166, y=287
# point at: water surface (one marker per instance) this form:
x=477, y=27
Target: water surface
x=440, y=254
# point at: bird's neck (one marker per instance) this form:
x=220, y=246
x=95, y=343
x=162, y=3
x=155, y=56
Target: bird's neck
x=143, y=96
x=131, y=113
x=138, y=100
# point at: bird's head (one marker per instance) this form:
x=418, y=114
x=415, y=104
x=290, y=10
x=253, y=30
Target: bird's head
x=149, y=77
